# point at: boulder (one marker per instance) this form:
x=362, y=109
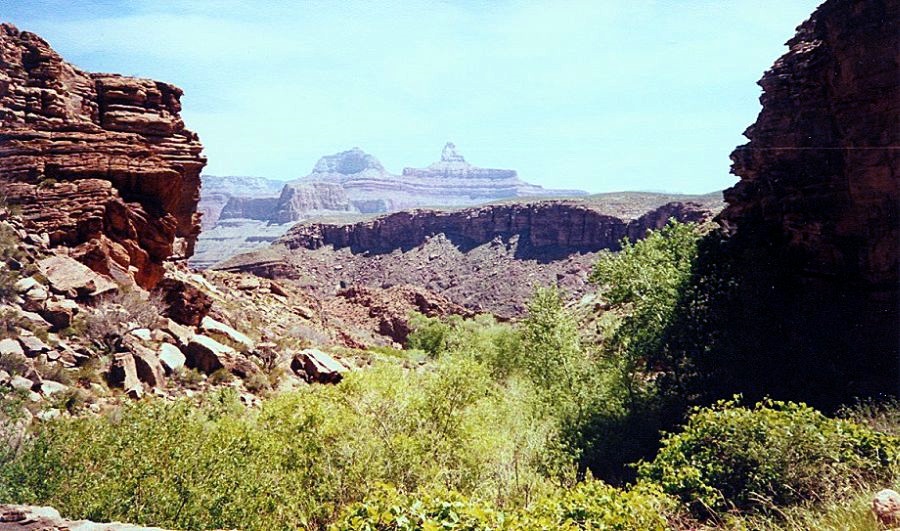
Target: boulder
x=316, y=366
x=210, y=325
x=69, y=277
x=182, y=334
x=59, y=312
x=49, y=387
x=123, y=373
x=32, y=344
x=185, y=303
x=171, y=357
x=34, y=299
x=208, y=355
x=886, y=506
x=23, y=285
x=141, y=333
x=11, y=347
x=148, y=366
x=20, y=383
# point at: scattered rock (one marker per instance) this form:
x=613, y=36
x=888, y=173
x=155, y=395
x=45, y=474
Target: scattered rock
x=210, y=325
x=316, y=366
x=248, y=283
x=171, y=357
x=886, y=506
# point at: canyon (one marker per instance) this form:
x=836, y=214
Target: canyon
x=488, y=258
x=342, y=185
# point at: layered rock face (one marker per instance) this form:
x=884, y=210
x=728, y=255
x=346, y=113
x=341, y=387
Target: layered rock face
x=818, y=202
x=352, y=182
x=217, y=191
x=449, y=182
x=300, y=200
x=101, y=163
x=544, y=230
x=487, y=258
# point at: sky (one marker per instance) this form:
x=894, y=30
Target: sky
x=598, y=95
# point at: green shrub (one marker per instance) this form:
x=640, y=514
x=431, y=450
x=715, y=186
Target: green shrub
x=774, y=454
x=299, y=460
x=590, y=505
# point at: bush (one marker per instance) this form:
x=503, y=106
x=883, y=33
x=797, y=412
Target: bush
x=590, y=505
x=299, y=460
x=774, y=454
x=119, y=313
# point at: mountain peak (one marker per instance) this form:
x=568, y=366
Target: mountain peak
x=449, y=153
x=348, y=162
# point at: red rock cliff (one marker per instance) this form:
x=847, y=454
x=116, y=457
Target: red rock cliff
x=102, y=163
x=821, y=172
x=815, y=216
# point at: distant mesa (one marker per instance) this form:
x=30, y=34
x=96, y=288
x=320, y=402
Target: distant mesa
x=454, y=165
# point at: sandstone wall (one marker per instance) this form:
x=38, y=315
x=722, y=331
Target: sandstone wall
x=548, y=228
x=102, y=163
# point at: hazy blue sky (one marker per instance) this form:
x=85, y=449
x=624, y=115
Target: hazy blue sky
x=599, y=95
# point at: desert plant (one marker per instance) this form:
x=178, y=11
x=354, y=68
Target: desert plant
x=773, y=454
x=119, y=313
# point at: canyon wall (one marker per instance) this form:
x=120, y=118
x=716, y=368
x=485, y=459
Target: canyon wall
x=486, y=259
x=102, y=163
x=812, y=258
x=544, y=229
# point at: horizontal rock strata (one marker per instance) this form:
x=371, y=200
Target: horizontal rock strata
x=100, y=162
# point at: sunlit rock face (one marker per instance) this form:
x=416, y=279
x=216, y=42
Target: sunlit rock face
x=101, y=162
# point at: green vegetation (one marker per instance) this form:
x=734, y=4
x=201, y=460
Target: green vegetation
x=772, y=455
x=476, y=425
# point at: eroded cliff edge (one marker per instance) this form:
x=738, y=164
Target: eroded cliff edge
x=813, y=252
x=100, y=162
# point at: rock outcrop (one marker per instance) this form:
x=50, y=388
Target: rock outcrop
x=29, y=517
x=100, y=162
x=812, y=259
x=303, y=200
x=822, y=169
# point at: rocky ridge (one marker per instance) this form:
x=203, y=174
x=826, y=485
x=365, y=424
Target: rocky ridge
x=486, y=259
x=101, y=163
